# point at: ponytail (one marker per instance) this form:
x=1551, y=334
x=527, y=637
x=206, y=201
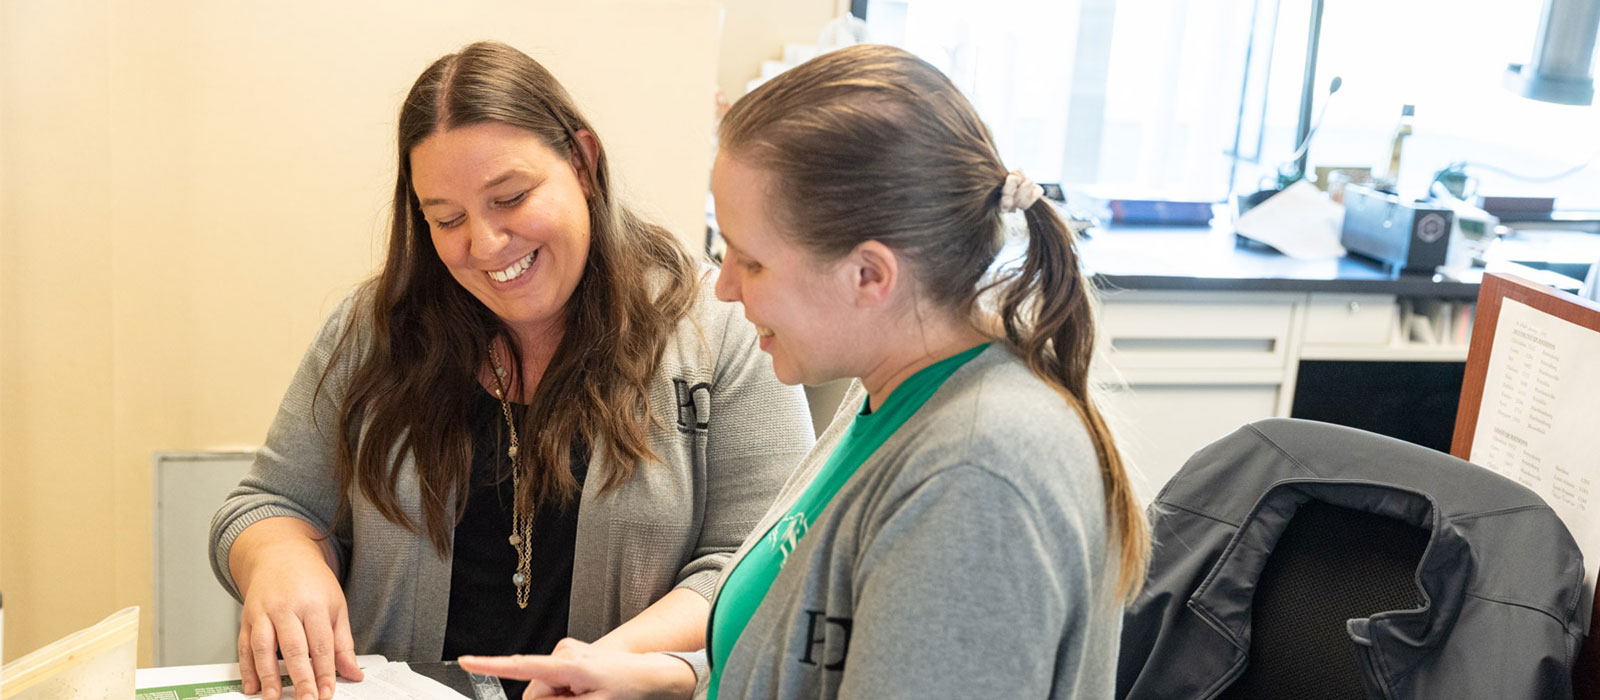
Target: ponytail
x=1046, y=316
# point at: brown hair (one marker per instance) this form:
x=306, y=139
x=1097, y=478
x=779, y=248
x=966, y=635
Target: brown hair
x=430, y=336
x=872, y=143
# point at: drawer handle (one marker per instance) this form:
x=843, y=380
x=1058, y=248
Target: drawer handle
x=1249, y=345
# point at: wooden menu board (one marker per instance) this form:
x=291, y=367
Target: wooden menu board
x=1530, y=406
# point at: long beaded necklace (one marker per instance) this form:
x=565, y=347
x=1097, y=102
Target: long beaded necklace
x=521, y=522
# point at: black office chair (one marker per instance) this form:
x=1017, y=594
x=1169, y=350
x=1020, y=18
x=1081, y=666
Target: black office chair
x=1331, y=564
x=1295, y=559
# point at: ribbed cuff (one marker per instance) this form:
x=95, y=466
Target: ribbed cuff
x=698, y=663
x=219, y=558
x=702, y=582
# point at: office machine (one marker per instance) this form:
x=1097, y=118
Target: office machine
x=1403, y=236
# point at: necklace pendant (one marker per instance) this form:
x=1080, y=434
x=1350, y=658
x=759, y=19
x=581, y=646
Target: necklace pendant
x=515, y=539
x=511, y=451
x=499, y=371
x=519, y=578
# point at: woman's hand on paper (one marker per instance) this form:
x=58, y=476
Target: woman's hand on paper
x=293, y=603
x=580, y=670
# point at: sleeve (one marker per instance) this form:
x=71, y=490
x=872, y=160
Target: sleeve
x=293, y=470
x=757, y=433
x=700, y=665
x=961, y=593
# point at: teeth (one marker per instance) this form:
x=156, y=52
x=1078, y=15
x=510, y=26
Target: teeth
x=516, y=269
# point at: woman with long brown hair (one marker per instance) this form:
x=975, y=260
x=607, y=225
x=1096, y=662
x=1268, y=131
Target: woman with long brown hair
x=965, y=528
x=534, y=423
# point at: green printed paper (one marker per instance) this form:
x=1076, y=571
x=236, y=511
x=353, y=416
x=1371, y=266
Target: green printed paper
x=194, y=691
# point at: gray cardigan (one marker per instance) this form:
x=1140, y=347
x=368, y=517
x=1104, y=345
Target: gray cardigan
x=728, y=435
x=966, y=558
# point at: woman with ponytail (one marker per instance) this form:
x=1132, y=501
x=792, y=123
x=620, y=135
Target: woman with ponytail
x=965, y=528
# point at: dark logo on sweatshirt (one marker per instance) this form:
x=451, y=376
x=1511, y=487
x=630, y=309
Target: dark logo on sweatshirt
x=694, y=403
x=818, y=628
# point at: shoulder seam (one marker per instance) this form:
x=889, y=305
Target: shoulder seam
x=965, y=466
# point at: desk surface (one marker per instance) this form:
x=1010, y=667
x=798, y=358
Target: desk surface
x=180, y=682
x=1171, y=258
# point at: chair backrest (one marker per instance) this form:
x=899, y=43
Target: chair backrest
x=1290, y=559
x=1331, y=564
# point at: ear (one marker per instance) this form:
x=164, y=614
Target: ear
x=875, y=273
x=586, y=160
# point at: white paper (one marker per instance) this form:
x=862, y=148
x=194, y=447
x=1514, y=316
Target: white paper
x=1300, y=222
x=1537, y=420
x=164, y=676
x=393, y=680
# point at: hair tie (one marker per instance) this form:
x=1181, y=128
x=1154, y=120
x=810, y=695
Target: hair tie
x=1018, y=193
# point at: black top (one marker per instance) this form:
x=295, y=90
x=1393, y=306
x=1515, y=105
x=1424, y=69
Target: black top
x=484, y=618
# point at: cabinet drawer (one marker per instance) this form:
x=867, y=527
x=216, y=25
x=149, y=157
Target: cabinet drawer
x=1350, y=319
x=1196, y=333
x=1158, y=427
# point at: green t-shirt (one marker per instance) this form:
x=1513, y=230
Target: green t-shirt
x=750, y=579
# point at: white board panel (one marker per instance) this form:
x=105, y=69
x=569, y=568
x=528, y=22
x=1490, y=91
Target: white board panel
x=196, y=621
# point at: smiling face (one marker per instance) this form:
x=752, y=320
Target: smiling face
x=800, y=306
x=508, y=216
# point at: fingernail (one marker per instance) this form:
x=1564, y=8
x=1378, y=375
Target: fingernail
x=327, y=690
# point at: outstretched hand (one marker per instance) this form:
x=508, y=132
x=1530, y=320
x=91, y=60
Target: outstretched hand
x=579, y=670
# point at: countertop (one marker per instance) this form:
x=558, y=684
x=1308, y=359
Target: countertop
x=1201, y=258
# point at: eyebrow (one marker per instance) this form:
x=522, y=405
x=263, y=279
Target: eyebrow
x=731, y=245
x=507, y=175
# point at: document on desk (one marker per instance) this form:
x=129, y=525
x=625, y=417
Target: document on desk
x=1299, y=222
x=1541, y=403
x=391, y=680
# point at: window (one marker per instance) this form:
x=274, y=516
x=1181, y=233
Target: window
x=1149, y=97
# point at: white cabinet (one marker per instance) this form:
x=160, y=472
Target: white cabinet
x=1156, y=330
x=1350, y=319
x=1159, y=425
x=1180, y=369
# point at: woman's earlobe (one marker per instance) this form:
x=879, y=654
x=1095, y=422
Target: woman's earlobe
x=582, y=172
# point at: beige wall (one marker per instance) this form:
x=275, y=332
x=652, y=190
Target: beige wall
x=185, y=188
x=756, y=30
x=59, y=523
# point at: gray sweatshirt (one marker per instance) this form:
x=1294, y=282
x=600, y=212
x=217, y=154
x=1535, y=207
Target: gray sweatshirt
x=728, y=436
x=966, y=558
